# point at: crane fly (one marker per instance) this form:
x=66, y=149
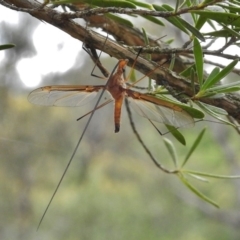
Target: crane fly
x=145, y=104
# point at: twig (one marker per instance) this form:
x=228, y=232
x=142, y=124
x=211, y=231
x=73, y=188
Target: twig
x=141, y=12
x=101, y=10
x=149, y=49
x=142, y=143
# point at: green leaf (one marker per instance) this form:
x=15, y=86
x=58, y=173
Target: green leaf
x=195, y=113
x=192, y=29
x=200, y=22
x=198, y=193
x=210, y=22
x=176, y=6
x=171, y=149
x=188, y=26
x=225, y=71
x=226, y=88
x=206, y=108
x=197, y=177
x=221, y=33
x=132, y=76
x=231, y=8
x=146, y=40
x=189, y=3
x=192, y=78
x=118, y=19
x=231, y=31
x=187, y=72
x=168, y=8
x=212, y=75
x=206, y=1
x=153, y=19
x=210, y=175
x=209, y=94
x=169, y=41
x=142, y=4
x=176, y=134
x=184, y=23
x=216, y=110
x=100, y=3
x=198, y=56
x=171, y=65
x=172, y=20
x=220, y=17
x=6, y=46
x=195, y=144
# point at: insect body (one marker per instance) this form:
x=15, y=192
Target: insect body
x=145, y=104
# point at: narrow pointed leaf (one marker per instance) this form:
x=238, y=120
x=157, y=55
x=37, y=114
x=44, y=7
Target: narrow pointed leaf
x=210, y=22
x=187, y=72
x=221, y=33
x=198, y=193
x=210, y=175
x=169, y=41
x=215, y=109
x=172, y=20
x=153, y=19
x=195, y=144
x=6, y=46
x=213, y=114
x=232, y=9
x=100, y=3
x=231, y=31
x=192, y=78
x=176, y=134
x=146, y=40
x=195, y=113
x=225, y=71
x=220, y=17
x=198, y=56
x=142, y=4
x=212, y=75
x=118, y=19
x=198, y=177
x=171, y=149
x=209, y=94
x=206, y=1
x=192, y=29
x=200, y=22
x=176, y=6
x=171, y=66
x=229, y=87
x=188, y=26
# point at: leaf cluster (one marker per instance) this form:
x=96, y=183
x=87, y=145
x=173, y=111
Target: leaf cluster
x=226, y=16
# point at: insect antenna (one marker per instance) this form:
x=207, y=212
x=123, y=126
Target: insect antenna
x=75, y=149
x=93, y=54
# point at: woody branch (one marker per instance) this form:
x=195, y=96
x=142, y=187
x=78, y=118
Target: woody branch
x=131, y=36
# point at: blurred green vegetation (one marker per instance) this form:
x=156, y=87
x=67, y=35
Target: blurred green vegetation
x=112, y=190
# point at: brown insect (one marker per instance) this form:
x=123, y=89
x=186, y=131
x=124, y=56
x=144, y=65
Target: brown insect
x=145, y=104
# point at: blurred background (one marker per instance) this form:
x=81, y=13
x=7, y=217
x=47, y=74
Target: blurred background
x=112, y=190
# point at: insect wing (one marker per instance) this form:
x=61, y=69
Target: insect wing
x=161, y=114
x=64, y=96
